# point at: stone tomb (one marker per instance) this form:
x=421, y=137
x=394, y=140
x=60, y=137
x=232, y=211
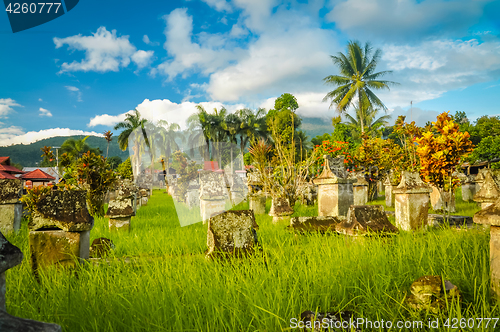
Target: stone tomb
x=11, y=209
x=491, y=216
x=441, y=200
x=232, y=233
x=389, y=195
x=122, y=208
x=366, y=219
x=489, y=191
x=257, y=203
x=60, y=229
x=335, y=191
x=213, y=194
x=469, y=188
x=315, y=224
x=411, y=202
x=11, y=256
x=280, y=209
x=360, y=190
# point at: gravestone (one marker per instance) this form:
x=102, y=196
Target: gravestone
x=11, y=256
x=213, y=194
x=442, y=200
x=280, y=209
x=489, y=191
x=411, y=202
x=11, y=209
x=232, y=233
x=389, y=195
x=122, y=209
x=366, y=219
x=315, y=224
x=335, y=189
x=257, y=203
x=360, y=190
x=469, y=188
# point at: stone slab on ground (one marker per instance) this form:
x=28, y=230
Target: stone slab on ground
x=315, y=224
x=58, y=247
x=365, y=219
x=9, y=323
x=231, y=233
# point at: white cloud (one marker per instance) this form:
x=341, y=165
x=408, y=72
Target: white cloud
x=44, y=112
x=6, y=105
x=207, y=56
x=219, y=5
x=142, y=58
x=14, y=135
x=76, y=90
x=405, y=19
x=155, y=110
x=104, y=51
x=40, y=99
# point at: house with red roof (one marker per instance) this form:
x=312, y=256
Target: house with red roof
x=7, y=171
x=37, y=178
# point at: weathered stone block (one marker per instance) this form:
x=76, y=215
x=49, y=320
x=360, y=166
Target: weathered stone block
x=427, y=293
x=193, y=197
x=360, y=191
x=120, y=223
x=441, y=200
x=10, y=191
x=120, y=208
x=334, y=199
x=468, y=191
x=231, y=233
x=318, y=224
x=389, y=195
x=212, y=186
x=257, y=203
x=489, y=191
x=57, y=247
x=280, y=209
x=210, y=207
x=411, y=202
x=65, y=210
x=363, y=219
x=10, y=217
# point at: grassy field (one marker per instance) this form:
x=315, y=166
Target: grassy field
x=169, y=286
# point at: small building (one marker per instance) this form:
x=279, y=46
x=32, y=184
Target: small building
x=6, y=170
x=37, y=178
x=52, y=171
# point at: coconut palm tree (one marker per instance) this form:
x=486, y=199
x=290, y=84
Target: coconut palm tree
x=197, y=133
x=107, y=136
x=253, y=126
x=357, y=79
x=372, y=127
x=232, y=126
x=165, y=137
x=131, y=123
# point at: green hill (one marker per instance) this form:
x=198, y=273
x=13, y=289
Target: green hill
x=29, y=154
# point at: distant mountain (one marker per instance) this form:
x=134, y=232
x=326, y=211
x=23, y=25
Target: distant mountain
x=316, y=126
x=29, y=154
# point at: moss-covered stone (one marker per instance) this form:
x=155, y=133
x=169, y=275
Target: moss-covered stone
x=366, y=219
x=10, y=191
x=428, y=293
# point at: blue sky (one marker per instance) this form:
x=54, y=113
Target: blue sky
x=81, y=72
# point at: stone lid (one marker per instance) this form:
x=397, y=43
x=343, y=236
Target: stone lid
x=10, y=191
x=411, y=183
x=365, y=219
x=281, y=207
x=489, y=215
x=62, y=209
x=120, y=209
x=322, y=224
x=489, y=191
x=10, y=255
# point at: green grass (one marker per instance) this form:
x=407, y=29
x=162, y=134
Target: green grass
x=171, y=287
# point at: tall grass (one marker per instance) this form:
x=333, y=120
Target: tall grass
x=170, y=286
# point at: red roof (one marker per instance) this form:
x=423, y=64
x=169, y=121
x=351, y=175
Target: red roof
x=37, y=174
x=4, y=175
x=10, y=169
x=3, y=160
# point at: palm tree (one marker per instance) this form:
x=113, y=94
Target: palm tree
x=357, y=79
x=198, y=133
x=131, y=123
x=75, y=148
x=372, y=127
x=232, y=126
x=107, y=136
x=253, y=126
x=165, y=136
x=211, y=127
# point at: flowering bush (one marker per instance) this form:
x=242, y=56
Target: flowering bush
x=332, y=149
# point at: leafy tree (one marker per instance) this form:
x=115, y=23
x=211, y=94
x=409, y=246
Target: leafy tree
x=75, y=148
x=441, y=153
x=97, y=177
x=286, y=101
x=48, y=157
x=341, y=133
x=124, y=170
x=488, y=149
x=283, y=117
x=114, y=162
x=357, y=79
